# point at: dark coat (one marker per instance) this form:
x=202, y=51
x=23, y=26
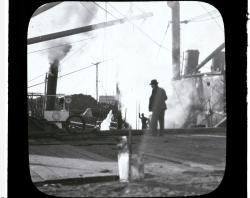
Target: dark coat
x=157, y=99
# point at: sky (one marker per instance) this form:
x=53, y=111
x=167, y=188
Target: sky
x=131, y=54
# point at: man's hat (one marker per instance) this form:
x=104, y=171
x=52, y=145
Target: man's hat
x=154, y=82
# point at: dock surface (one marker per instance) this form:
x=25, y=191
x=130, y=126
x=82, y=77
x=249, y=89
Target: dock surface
x=195, y=161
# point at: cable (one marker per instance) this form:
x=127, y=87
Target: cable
x=160, y=45
x=198, y=20
x=105, y=91
x=163, y=39
x=199, y=17
x=130, y=10
x=142, y=11
x=60, y=45
x=202, y=20
x=77, y=70
x=105, y=10
x=211, y=16
x=36, y=77
x=149, y=37
x=203, y=15
x=68, y=57
x=64, y=60
x=134, y=25
x=70, y=73
x=36, y=84
x=88, y=10
x=64, y=75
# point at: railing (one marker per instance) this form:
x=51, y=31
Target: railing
x=37, y=104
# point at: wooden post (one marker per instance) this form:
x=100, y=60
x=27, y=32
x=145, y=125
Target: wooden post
x=123, y=159
x=175, y=6
x=130, y=151
x=96, y=64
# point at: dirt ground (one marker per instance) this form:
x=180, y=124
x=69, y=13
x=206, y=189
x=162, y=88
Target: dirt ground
x=185, y=184
x=178, y=164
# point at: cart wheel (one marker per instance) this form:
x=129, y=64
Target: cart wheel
x=75, y=124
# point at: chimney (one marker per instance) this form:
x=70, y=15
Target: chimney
x=51, y=85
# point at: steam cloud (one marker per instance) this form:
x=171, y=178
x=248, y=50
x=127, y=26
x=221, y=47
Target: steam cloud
x=190, y=99
x=178, y=105
x=186, y=104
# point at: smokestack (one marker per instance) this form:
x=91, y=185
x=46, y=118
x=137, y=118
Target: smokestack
x=54, y=58
x=51, y=85
x=191, y=60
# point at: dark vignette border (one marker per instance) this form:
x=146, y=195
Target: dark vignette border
x=234, y=14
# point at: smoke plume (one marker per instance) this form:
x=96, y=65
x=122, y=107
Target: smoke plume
x=59, y=53
x=78, y=13
x=73, y=15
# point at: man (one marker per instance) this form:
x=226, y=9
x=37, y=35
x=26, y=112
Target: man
x=144, y=121
x=157, y=105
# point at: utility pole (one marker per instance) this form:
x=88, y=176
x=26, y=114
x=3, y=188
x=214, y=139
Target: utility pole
x=136, y=116
x=175, y=6
x=96, y=64
x=45, y=93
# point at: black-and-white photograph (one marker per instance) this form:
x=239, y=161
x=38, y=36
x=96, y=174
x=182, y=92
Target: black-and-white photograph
x=126, y=99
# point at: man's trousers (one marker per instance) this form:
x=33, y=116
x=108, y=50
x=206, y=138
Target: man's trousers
x=157, y=116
